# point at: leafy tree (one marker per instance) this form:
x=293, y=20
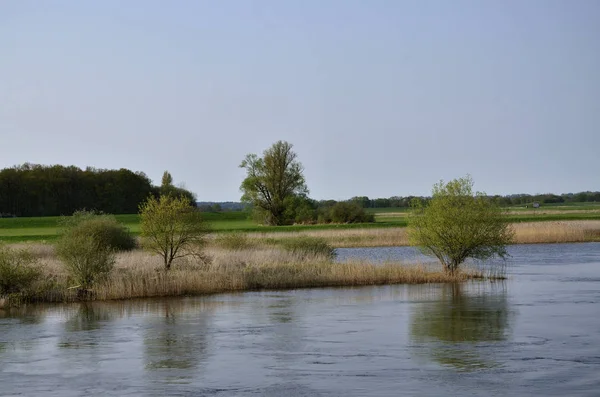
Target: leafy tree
x=271, y=180
x=167, y=179
x=168, y=189
x=456, y=225
x=173, y=228
x=166, y=185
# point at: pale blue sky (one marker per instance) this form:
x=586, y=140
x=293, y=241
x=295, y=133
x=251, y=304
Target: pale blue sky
x=379, y=98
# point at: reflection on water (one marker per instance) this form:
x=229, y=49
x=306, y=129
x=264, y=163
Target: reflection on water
x=449, y=327
x=176, y=339
x=89, y=316
x=25, y=314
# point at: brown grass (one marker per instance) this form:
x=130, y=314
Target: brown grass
x=557, y=232
x=265, y=266
x=139, y=275
x=525, y=233
x=343, y=238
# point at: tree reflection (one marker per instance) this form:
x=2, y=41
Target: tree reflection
x=452, y=327
x=177, y=338
x=25, y=314
x=82, y=321
x=89, y=316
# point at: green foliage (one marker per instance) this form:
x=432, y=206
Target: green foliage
x=18, y=270
x=87, y=245
x=347, y=212
x=309, y=246
x=87, y=258
x=233, y=241
x=168, y=189
x=456, y=225
x=271, y=180
x=104, y=228
x=38, y=190
x=172, y=228
x=300, y=210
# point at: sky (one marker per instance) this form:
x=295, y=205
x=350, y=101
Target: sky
x=379, y=98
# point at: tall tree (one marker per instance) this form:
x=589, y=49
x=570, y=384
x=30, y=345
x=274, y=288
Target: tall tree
x=271, y=180
x=166, y=185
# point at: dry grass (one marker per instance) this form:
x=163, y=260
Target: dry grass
x=557, y=232
x=137, y=274
x=525, y=233
x=343, y=238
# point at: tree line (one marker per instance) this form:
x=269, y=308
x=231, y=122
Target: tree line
x=274, y=188
x=39, y=190
x=504, y=201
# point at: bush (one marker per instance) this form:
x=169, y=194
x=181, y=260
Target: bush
x=18, y=270
x=309, y=246
x=105, y=229
x=233, y=241
x=457, y=224
x=86, y=258
x=345, y=212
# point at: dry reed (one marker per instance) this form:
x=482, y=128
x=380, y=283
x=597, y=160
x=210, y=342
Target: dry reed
x=137, y=274
x=557, y=232
x=525, y=233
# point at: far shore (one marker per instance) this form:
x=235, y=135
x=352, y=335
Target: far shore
x=525, y=233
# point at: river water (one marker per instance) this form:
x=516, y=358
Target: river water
x=538, y=333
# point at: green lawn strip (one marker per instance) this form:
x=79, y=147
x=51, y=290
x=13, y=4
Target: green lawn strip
x=46, y=228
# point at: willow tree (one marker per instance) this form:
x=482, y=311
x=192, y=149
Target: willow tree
x=272, y=180
x=457, y=224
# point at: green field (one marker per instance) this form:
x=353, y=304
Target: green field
x=46, y=228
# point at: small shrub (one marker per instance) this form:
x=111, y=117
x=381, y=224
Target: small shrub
x=86, y=258
x=309, y=245
x=233, y=241
x=18, y=270
x=104, y=228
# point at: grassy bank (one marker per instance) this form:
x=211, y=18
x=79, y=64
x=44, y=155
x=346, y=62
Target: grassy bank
x=525, y=233
x=46, y=228
x=139, y=275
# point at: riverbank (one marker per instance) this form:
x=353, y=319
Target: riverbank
x=137, y=274
x=254, y=261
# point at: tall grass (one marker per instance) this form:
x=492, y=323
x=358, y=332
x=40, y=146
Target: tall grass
x=525, y=233
x=557, y=232
x=137, y=274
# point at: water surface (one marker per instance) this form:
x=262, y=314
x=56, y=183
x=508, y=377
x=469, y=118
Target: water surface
x=538, y=333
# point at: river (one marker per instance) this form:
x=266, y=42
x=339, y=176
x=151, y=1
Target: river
x=537, y=333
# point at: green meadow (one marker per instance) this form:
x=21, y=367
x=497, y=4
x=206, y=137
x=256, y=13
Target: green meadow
x=47, y=228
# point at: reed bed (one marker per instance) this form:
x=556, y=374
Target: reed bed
x=342, y=238
x=557, y=232
x=525, y=233
x=138, y=274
